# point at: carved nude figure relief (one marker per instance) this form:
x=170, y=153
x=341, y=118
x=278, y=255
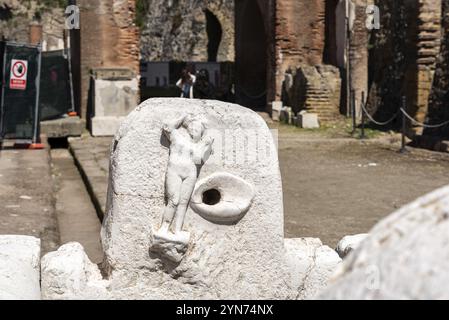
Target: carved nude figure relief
x=189, y=150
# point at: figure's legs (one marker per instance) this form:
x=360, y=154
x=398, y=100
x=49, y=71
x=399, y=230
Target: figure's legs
x=173, y=185
x=186, y=193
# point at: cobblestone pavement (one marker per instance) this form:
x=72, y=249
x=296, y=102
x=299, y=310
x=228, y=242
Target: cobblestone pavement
x=26, y=196
x=332, y=187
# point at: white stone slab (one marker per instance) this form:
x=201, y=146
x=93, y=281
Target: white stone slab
x=276, y=110
x=350, y=243
x=113, y=100
x=240, y=258
x=115, y=97
x=405, y=256
x=308, y=121
x=19, y=268
x=105, y=126
x=188, y=214
x=68, y=274
x=312, y=265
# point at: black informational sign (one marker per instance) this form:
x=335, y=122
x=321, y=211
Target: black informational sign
x=20, y=81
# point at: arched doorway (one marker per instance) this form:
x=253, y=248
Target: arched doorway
x=214, y=34
x=251, y=58
x=330, y=49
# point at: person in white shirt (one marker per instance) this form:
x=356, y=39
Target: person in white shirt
x=186, y=84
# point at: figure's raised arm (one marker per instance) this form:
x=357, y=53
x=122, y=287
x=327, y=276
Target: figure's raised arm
x=205, y=149
x=169, y=126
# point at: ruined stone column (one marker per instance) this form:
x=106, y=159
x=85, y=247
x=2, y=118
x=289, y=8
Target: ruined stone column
x=108, y=39
x=300, y=36
x=428, y=48
x=35, y=33
x=358, y=52
x=438, y=110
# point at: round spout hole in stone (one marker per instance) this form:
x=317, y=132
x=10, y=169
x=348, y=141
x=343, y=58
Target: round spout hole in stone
x=211, y=197
x=222, y=198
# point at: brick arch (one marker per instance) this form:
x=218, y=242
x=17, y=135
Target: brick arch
x=330, y=46
x=254, y=56
x=226, y=48
x=214, y=32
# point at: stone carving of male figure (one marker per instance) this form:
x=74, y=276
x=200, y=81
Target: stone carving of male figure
x=188, y=152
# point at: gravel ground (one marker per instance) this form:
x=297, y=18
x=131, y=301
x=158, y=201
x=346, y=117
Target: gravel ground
x=338, y=187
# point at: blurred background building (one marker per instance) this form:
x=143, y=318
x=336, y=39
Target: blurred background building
x=308, y=54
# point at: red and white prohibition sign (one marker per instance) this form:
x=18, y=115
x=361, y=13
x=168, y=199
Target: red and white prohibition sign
x=19, y=70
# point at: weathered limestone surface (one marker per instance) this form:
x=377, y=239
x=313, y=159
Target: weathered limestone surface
x=349, y=244
x=69, y=274
x=19, y=268
x=307, y=120
x=404, y=257
x=65, y=127
x=188, y=215
x=242, y=259
x=312, y=265
x=114, y=98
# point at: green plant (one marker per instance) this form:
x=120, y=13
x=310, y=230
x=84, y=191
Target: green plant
x=141, y=12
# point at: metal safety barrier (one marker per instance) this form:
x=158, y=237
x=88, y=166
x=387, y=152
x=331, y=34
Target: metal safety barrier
x=20, y=88
x=405, y=116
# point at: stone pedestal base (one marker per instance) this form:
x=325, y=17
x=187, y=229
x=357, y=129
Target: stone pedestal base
x=61, y=128
x=105, y=126
x=169, y=245
x=276, y=110
x=19, y=268
x=308, y=121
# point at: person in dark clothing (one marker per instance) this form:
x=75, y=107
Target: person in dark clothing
x=203, y=89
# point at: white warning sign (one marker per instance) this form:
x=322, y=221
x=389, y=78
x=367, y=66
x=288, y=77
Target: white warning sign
x=19, y=70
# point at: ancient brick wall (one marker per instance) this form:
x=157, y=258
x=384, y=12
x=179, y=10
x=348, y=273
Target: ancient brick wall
x=108, y=37
x=255, y=52
x=295, y=35
x=392, y=58
x=428, y=48
x=316, y=89
x=403, y=57
x=300, y=36
x=438, y=110
x=358, y=53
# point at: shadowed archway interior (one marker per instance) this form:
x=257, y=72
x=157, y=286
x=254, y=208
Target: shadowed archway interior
x=251, y=68
x=214, y=35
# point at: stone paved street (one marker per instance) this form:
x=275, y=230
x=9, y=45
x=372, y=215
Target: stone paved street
x=92, y=158
x=26, y=196
x=77, y=219
x=332, y=187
